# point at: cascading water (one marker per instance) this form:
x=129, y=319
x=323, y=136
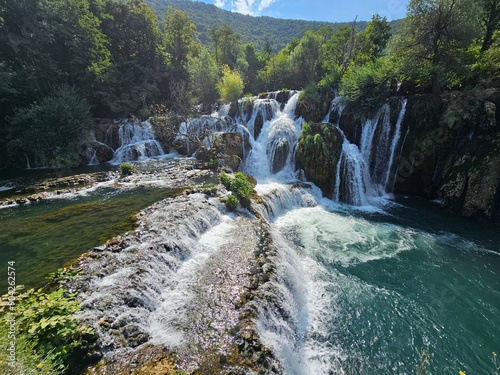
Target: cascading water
x=136, y=141
x=349, y=292
x=364, y=172
x=273, y=147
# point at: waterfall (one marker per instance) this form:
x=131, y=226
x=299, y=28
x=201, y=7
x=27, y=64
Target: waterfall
x=91, y=154
x=336, y=107
x=136, y=141
x=364, y=172
x=350, y=185
x=273, y=136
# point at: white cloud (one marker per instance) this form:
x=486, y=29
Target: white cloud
x=251, y=7
x=265, y=4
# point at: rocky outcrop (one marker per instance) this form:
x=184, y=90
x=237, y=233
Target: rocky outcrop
x=452, y=152
x=280, y=156
x=231, y=148
x=318, y=153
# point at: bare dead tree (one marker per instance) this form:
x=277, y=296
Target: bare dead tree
x=350, y=49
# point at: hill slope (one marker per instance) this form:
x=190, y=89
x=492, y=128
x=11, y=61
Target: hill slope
x=257, y=30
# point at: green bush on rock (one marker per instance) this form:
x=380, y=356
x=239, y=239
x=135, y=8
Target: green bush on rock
x=47, y=331
x=232, y=202
x=126, y=169
x=241, y=185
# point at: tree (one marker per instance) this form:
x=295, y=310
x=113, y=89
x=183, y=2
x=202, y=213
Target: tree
x=305, y=58
x=372, y=41
x=230, y=86
x=48, y=132
x=434, y=39
x=491, y=20
x=138, y=72
x=181, y=41
x=203, y=74
x=254, y=65
x=227, y=45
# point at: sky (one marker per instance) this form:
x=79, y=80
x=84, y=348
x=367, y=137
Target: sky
x=316, y=10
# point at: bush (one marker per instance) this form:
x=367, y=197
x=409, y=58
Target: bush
x=232, y=202
x=47, y=323
x=126, y=169
x=368, y=85
x=143, y=114
x=213, y=164
x=230, y=86
x=309, y=104
x=241, y=185
x=49, y=131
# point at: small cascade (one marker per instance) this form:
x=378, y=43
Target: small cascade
x=364, y=172
x=350, y=185
x=277, y=133
x=202, y=128
x=91, y=154
x=335, y=111
x=263, y=110
x=136, y=141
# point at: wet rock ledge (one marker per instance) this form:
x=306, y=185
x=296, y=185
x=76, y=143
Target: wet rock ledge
x=182, y=292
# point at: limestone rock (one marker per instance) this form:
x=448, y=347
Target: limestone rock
x=318, y=153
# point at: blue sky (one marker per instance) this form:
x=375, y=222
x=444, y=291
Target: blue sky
x=316, y=10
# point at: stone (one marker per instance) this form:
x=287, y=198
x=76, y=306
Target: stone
x=280, y=156
x=319, y=162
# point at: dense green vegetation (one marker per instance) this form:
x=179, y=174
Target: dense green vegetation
x=64, y=62
x=48, y=336
x=241, y=186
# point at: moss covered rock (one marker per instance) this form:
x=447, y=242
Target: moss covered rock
x=318, y=153
x=452, y=152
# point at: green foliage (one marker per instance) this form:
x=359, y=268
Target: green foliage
x=213, y=163
x=27, y=359
x=230, y=86
x=232, y=202
x=432, y=45
x=49, y=131
x=309, y=104
x=143, y=114
x=305, y=59
x=241, y=185
x=47, y=322
x=368, y=85
x=204, y=75
x=277, y=33
x=181, y=41
x=126, y=169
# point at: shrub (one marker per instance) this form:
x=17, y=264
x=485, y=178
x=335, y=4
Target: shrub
x=231, y=85
x=232, y=202
x=369, y=85
x=126, y=169
x=143, y=114
x=50, y=130
x=213, y=163
x=241, y=185
x=47, y=323
x=309, y=103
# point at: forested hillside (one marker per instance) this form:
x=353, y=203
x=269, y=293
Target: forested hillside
x=256, y=30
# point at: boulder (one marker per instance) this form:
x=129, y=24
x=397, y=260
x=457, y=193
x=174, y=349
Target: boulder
x=280, y=155
x=230, y=146
x=318, y=153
